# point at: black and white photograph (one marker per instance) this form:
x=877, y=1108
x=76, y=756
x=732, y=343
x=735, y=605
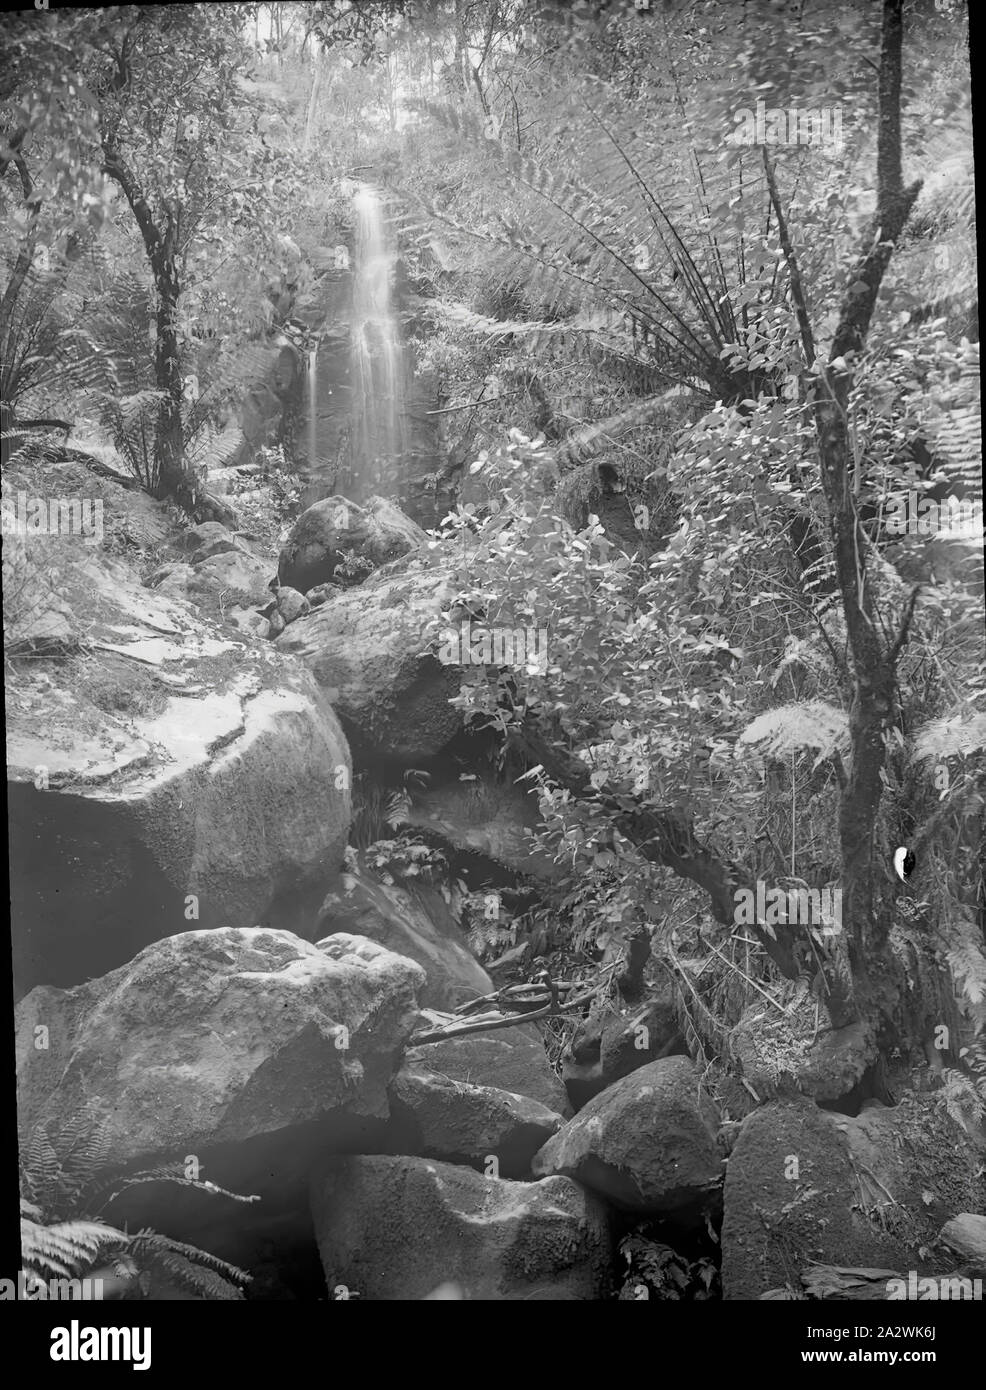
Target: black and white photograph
x=494, y=667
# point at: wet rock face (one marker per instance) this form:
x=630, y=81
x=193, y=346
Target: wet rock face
x=275, y=388
x=219, y=1037
x=647, y=1144
x=396, y=1228
x=337, y=532
x=368, y=650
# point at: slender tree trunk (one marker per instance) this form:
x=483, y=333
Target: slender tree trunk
x=313, y=102
x=171, y=476
x=866, y=983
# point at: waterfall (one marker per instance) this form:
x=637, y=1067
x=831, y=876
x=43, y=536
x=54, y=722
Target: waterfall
x=378, y=438
x=313, y=408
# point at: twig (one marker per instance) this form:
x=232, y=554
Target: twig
x=471, y=405
x=509, y=1021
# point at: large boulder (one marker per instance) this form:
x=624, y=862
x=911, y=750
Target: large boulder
x=218, y=579
x=648, y=1143
x=171, y=778
x=438, y=1117
x=218, y=1037
x=415, y=923
x=806, y=1186
x=207, y=539
x=512, y=1058
x=370, y=649
x=392, y=1228
x=337, y=532
x=291, y=604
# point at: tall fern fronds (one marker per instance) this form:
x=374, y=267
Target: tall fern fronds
x=601, y=434
x=61, y=1159
x=620, y=235
x=964, y=1097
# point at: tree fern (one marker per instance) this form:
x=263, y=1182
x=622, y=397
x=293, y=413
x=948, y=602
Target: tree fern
x=789, y=729
x=612, y=238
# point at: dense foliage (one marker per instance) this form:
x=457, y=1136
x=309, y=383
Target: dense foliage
x=683, y=380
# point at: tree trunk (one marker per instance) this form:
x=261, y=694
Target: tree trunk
x=171, y=477
x=869, y=986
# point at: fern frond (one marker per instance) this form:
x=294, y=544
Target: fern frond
x=66, y=1249
x=194, y=1269
x=951, y=737
x=398, y=809
x=109, y=1190
x=581, y=445
x=795, y=727
x=966, y=957
x=956, y=432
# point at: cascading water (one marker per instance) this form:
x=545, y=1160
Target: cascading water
x=379, y=421
x=313, y=408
